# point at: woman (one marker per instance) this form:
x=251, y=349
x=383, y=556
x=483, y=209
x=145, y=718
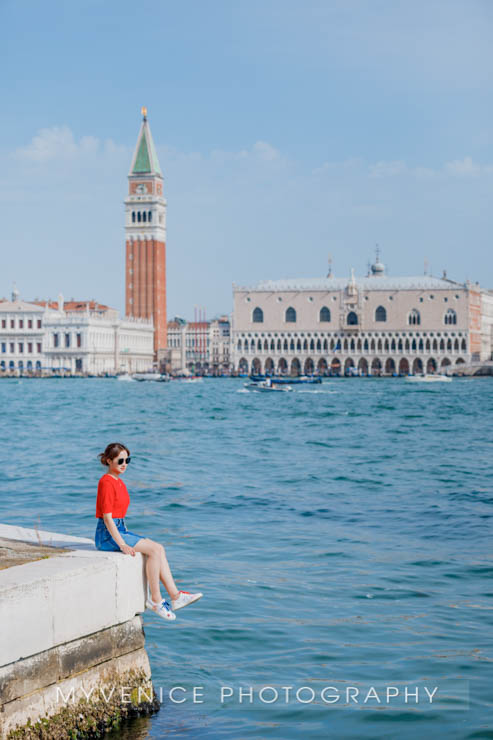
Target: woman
x=112, y=534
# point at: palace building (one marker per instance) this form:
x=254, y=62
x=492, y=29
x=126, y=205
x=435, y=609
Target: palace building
x=376, y=324
x=145, y=233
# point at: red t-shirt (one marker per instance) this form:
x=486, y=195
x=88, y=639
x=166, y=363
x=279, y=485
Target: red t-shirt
x=112, y=498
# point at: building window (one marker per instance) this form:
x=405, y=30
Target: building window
x=4, y=323
x=39, y=323
x=67, y=340
x=79, y=340
x=55, y=340
x=258, y=316
x=149, y=216
x=144, y=216
x=352, y=318
x=21, y=323
x=138, y=217
x=4, y=347
x=133, y=217
x=290, y=315
x=324, y=314
x=30, y=347
x=38, y=347
x=12, y=323
x=380, y=314
x=30, y=324
x=450, y=317
x=414, y=317
x=21, y=348
x=12, y=348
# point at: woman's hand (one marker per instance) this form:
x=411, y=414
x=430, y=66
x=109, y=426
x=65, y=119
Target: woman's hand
x=127, y=550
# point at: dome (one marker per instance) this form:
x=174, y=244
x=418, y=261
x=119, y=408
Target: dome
x=378, y=268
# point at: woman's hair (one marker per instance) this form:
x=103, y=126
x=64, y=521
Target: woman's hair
x=111, y=451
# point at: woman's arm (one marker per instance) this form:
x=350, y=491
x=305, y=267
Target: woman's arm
x=112, y=529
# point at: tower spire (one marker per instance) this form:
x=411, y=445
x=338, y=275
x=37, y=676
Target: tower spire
x=145, y=160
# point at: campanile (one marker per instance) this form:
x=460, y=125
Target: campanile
x=145, y=234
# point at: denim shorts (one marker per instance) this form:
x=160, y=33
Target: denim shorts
x=104, y=541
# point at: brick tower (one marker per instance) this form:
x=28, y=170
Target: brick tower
x=145, y=234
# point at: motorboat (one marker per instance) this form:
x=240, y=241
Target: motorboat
x=156, y=377
x=286, y=380
x=428, y=378
x=268, y=386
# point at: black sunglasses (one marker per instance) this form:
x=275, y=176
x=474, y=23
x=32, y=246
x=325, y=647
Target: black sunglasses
x=123, y=460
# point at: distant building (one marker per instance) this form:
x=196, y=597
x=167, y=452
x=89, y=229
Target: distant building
x=377, y=324
x=73, y=337
x=22, y=335
x=145, y=234
x=199, y=346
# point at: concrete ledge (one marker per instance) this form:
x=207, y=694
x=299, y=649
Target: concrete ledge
x=38, y=671
x=56, y=600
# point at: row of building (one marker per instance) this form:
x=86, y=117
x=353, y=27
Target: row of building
x=374, y=324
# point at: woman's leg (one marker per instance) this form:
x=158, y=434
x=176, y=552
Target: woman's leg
x=153, y=566
x=165, y=574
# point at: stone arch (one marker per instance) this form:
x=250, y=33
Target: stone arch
x=445, y=362
x=417, y=366
x=389, y=366
x=363, y=366
x=282, y=366
x=257, y=315
x=431, y=365
x=403, y=367
x=266, y=345
x=352, y=318
x=309, y=367
x=376, y=366
x=243, y=365
x=348, y=364
x=295, y=367
x=322, y=366
x=269, y=366
x=460, y=361
x=256, y=366
x=335, y=366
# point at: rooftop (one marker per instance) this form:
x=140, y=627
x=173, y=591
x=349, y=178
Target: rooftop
x=372, y=282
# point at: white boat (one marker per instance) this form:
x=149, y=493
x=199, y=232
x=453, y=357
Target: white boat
x=428, y=378
x=267, y=387
x=126, y=377
x=156, y=377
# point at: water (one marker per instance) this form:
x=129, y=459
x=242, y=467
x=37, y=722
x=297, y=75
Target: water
x=341, y=535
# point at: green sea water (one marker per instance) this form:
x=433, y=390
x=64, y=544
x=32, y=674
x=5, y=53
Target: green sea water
x=341, y=535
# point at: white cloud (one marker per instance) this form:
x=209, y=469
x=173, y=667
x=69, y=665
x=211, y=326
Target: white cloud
x=463, y=167
x=387, y=169
x=58, y=143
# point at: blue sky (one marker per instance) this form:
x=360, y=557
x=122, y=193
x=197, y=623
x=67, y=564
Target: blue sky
x=286, y=131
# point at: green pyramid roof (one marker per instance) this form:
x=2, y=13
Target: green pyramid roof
x=145, y=160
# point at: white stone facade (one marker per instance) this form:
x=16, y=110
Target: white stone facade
x=376, y=324
x=93, y=341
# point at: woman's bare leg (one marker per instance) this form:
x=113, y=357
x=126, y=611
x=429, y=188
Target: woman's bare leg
x=153, y=566
x=165, y=575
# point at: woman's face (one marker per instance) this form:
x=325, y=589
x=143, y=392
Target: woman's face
x=119, y=463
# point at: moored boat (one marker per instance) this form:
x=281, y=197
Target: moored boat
x=428, y=378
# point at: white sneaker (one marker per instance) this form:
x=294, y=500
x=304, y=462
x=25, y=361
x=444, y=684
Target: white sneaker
x=184, y=599
x=163, y=609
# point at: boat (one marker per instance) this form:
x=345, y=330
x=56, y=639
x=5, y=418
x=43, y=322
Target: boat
x=268, y=387
x=286, y=380
x=156, y=377
x=428, y=378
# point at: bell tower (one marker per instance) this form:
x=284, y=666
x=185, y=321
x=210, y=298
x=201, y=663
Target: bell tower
x=145, y=235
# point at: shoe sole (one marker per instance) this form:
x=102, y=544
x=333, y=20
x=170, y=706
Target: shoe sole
x=193, y=601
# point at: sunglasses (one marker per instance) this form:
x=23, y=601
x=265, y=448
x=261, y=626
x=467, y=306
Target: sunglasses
x=122, y=460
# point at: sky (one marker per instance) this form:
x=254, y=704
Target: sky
x=286, y=132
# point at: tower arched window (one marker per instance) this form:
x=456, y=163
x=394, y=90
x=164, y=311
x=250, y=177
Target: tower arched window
x=133, y=217
x=257, y=316
x=352, y=318
x=324, y=314
x=450, y=317
x=414, y=317
x=149, y=216
x=290, y=315
x=138, y=217
x=380, y=314
x=144, y=216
